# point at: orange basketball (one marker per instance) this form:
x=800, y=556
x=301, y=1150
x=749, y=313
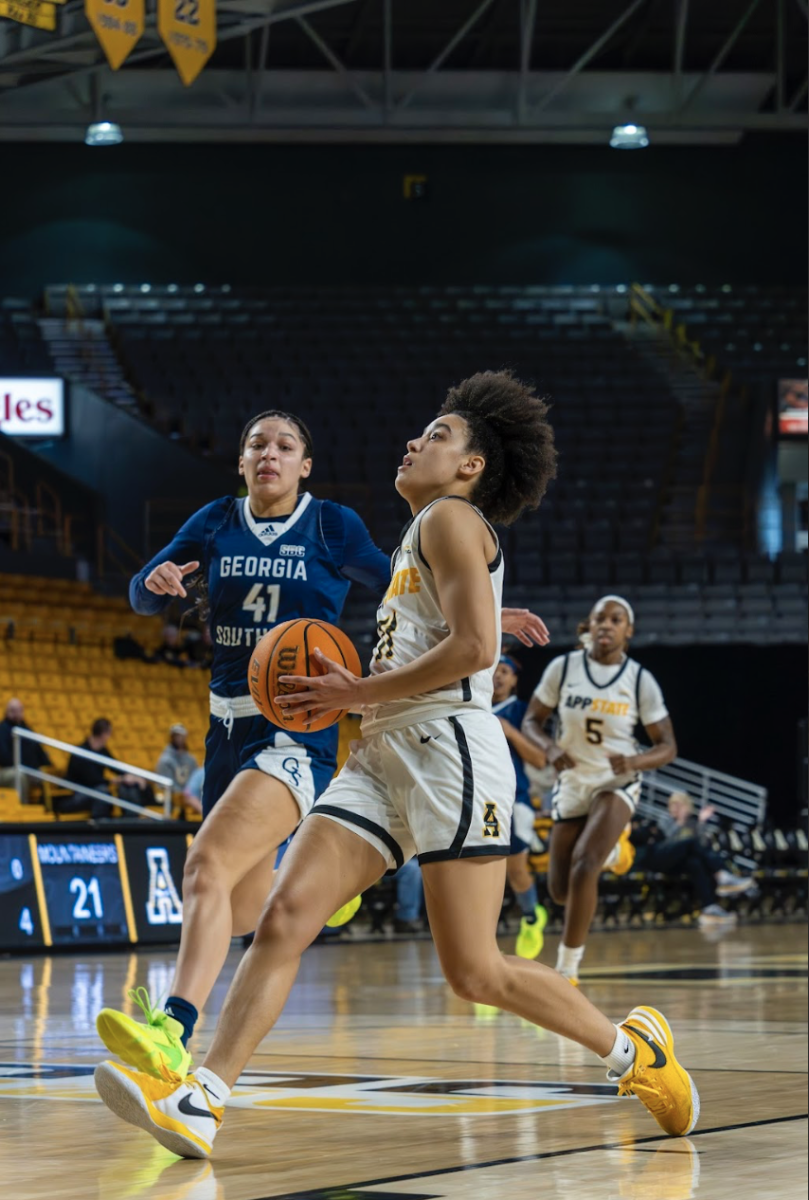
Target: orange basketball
x=288, y=650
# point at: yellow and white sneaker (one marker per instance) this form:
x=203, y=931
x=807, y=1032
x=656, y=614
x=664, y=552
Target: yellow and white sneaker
x=183, y=1117
x=345, y=914
x=155, y=1047
x=531, y=937
x=655, y=1077
x=621, y=858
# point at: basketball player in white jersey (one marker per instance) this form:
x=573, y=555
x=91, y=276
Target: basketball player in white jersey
x=431, y=776
x=601, y=695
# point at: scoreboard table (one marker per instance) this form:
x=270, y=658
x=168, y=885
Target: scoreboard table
x=117, y=883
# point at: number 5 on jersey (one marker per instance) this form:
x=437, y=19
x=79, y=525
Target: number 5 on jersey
x=262, y=601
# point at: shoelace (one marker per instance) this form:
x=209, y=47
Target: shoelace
x=141, y=997
x=654, y=1099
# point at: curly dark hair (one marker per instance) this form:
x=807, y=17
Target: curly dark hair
x=302, y=428
x=508, y=425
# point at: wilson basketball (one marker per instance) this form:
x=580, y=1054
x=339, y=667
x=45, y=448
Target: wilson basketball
x=289, y=650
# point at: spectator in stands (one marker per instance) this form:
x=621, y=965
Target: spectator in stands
x=192, y=792
x=92, y=774
x=674, y=847
x=31, y=753
x=409, y=898
x=199, y=645
x=171, y=650
x=176, y=761
x=682, y=822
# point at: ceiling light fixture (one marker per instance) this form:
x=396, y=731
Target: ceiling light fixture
x=103, y=133
x=629, y=137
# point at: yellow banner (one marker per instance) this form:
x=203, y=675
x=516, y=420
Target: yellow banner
x=118, y=25
x=188, y=28
x=38, y=13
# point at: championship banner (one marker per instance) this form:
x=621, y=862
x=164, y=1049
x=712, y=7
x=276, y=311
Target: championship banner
x=38, y=13
x=118, y=25
x=188, y=28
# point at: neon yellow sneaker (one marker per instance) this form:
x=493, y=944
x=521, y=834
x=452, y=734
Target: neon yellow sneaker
x=344, y=914
x=531, y=937
x=486, y=1012
x=655, y=1077
x=155, y=1048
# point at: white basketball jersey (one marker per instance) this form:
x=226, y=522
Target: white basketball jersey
x=599, y=707
x=410, y=622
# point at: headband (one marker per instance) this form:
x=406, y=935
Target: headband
x=508, y=661
x=630, y=612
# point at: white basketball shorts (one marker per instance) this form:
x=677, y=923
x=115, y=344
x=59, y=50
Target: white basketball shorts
x=443, y=789
x=574, y=793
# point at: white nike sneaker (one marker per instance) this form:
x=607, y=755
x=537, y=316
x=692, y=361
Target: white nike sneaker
x=183, y=1117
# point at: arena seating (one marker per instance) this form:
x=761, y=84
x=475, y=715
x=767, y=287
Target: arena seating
x=758, y=333
x=364, y=365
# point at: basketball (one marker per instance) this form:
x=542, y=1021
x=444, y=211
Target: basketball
x=289, y=650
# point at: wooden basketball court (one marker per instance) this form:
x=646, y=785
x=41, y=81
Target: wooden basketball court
x=379, y=1083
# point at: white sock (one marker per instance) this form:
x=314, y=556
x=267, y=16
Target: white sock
x=622, y=1055
x=568, y=959
x=217, y=1089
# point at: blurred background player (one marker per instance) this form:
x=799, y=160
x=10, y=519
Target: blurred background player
x=511, y=711
x=600, y=694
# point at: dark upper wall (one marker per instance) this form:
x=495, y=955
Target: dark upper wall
x=263, y=213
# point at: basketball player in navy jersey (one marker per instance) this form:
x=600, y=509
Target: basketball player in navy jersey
x=510, y=712
x=431, y=776
x=271, y=556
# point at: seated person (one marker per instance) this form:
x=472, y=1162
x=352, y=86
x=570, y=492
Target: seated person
x=88, y=773
x=192, y=792
x=31, y=753
x=171, y=650
x=673, y=847
x=176, y=761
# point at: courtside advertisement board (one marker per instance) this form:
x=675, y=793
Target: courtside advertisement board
x=793, y=407
x=32, y=407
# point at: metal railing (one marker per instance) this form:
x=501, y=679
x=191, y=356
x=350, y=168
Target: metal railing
x=162, y=781
x=742, y=802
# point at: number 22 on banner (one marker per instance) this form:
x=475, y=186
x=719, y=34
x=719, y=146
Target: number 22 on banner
x=118, y=25
x=188, y=29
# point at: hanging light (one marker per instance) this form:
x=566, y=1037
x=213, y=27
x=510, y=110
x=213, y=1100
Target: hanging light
x=103, y=133
x=629, y=137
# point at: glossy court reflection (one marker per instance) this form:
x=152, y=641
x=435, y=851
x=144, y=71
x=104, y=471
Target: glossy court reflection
x=379, y=1083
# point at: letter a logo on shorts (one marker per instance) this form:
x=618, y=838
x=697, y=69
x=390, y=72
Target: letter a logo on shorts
x=491, y=825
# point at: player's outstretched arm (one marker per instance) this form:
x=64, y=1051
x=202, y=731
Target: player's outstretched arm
x=156, y=584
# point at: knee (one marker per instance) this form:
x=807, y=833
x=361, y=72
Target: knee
x=284, y=919
x=475, y=982
x=585, y=866
x=203, y=872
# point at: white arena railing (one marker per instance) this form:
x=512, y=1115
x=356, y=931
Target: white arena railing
x=162, y=781
x=742, y=802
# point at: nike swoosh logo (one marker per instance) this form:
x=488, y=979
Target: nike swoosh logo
x=432, y=737
x=660, y=1058
x=190, y=1110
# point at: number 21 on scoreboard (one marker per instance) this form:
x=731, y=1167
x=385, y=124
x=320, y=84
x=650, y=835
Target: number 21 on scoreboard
x=84, y=893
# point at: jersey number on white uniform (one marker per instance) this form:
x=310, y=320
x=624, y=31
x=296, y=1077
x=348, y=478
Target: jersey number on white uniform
x=384, y=632
x=263, y=608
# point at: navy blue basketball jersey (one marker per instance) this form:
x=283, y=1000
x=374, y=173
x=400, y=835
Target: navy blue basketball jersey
x=260, y=573
x=513, y=710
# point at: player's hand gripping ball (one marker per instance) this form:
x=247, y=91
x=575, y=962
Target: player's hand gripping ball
x=289, y=649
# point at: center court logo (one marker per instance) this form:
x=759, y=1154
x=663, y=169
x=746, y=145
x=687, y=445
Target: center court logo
x=406, y=1096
